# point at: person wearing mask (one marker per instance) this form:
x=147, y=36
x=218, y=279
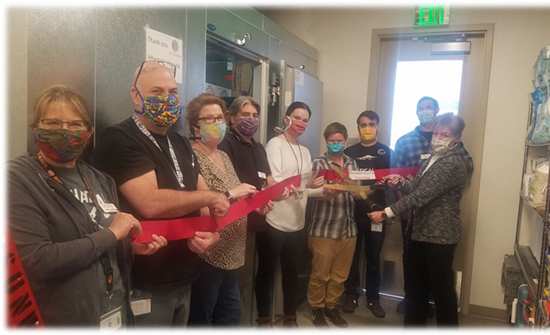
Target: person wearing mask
x=157, y=175
x=247, y=156
x=63, y=215
x=250, y=161
x=411, y=150
x=283, y=237
x=332, y=233
x=434, y=196
x=369, y=154
x=215, y=297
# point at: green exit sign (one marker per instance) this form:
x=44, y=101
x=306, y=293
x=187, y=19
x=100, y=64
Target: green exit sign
x=431, y=16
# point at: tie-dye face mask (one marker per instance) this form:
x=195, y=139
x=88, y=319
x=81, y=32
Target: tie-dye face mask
x=163, y=111
x=61, y=145
x=212, y=133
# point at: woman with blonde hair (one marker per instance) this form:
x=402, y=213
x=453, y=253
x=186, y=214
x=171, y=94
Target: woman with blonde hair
x=63, y=216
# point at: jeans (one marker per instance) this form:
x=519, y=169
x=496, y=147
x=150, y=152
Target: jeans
x=431, y=269
x=275, y=246
x=369, y=242
x=169, y=307
x=215, y=297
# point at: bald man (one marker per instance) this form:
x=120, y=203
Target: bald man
x=157, y=176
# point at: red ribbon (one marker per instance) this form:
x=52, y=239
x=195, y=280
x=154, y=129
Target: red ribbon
x=332, y=175
x=22, y=307
x=184, y=228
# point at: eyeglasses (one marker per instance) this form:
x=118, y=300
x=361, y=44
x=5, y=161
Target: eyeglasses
x=210, y=119
x=171, y=67
x=58, y=124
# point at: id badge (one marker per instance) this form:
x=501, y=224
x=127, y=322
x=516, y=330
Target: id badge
x=376, y=227
x=112, y=319
x=140, y=303
x=106, y=207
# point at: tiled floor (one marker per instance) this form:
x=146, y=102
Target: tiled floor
x=363, y=317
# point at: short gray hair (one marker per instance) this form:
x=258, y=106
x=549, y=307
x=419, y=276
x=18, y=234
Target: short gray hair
x=239, y=103
x=454, y=122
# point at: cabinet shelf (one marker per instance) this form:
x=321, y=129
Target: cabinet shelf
x=527, y=203
x=532, y=145
x=529, y=267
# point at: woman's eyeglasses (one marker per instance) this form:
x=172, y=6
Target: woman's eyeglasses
x=58, y=124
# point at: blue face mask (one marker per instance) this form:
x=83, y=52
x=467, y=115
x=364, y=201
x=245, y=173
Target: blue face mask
x=335, y=148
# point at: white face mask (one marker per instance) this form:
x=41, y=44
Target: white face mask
x=441, y=145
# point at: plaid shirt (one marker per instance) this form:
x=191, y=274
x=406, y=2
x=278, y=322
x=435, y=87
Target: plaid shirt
x=410, y=148
x=333, y=217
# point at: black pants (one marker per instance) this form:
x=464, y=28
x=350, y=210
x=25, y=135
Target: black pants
x=430, y=268
x=275, y=246
x=370, y=243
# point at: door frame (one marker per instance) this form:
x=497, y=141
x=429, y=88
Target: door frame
x=374, y=69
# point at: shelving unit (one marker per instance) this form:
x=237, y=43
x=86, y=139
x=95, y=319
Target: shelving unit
x=534, y=269
x=531, y=248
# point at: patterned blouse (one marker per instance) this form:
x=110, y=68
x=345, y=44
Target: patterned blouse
x=229, y=252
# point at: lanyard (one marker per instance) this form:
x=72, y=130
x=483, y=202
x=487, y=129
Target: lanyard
x=176, y=166
x=104, y=259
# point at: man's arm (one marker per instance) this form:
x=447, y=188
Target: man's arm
x=150, y=202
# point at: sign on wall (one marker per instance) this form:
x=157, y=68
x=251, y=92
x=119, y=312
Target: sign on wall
x=431, y=16
x=162, y=47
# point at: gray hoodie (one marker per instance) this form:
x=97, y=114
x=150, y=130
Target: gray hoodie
x=434, y=196
x=59, y=247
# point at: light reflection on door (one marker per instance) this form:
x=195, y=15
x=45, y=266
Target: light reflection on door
x=439, y=79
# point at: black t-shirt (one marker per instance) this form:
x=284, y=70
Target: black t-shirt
x=124, y=152
x=377, y=156
x=250, y=163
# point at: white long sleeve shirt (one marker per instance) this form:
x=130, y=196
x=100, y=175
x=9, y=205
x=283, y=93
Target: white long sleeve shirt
x=287, y=160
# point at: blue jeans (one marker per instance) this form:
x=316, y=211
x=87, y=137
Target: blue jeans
x=215, y=297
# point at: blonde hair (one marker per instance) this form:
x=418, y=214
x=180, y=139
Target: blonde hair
x=60, y=94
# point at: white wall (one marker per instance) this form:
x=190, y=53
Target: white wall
x=17, y=88
x=343, y=39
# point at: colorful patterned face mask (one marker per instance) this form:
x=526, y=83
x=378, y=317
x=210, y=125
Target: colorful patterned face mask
x=212, y=133
x=163, y=111
x=248, y=126
x=61, y=145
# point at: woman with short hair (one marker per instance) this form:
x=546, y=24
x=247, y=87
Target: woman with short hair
x=63, y=216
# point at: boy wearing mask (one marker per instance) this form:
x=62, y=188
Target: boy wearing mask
x=368, y=154
x=332, y=232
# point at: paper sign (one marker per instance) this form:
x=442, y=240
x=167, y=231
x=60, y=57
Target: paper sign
x=162, y=47
x=362, y=175
x=22, y=306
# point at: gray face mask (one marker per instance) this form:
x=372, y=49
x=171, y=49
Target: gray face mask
x=441, y=145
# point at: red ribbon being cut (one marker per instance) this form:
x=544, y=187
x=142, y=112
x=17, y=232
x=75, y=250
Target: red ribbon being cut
x=22, y=307
x=183, y=228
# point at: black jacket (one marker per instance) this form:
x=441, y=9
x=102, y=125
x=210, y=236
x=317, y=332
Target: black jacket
x=58, y=246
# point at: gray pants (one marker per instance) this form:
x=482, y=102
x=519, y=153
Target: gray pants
x=169, y=307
